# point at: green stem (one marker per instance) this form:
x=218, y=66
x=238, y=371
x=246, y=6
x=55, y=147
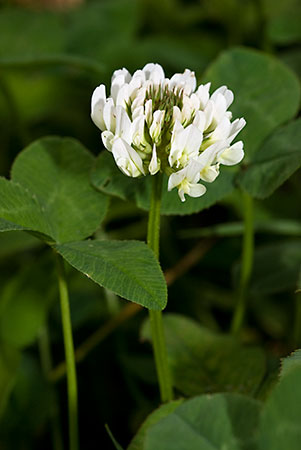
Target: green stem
x=246, y=265
x=69, y=354
x=46, y=363
x=156, y=322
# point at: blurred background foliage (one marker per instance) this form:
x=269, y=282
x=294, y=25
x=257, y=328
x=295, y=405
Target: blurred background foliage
x=52, y=55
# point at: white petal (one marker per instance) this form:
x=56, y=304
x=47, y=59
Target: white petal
x=147, y=69
x=139, y=74
x=136, y=159
x=109, y=115
x=156, y=126
x=220, y=107
x=177, y=128
x=185, y=81
x=138, y=112
x=135, y=84
x=157, y=76
x=139, y=99
x=186, y=180
x=121, y=156
x=207, y=157
x=197, y=190
x=107, y=139
x=190, y=81
x=187, y=109
x=148, y=108
x=222, y=130
x=181, y=193
x=175, y=179
x=127, y=158
x=116, y=85
x=195, y=102
x=138, y=131
x=185, y=144
x=208, y=114
x=232, y=155
x=123, y=97
x=97, y=104
x=227, y=94
x=193, y=171
x=236, y=127
x=176, y=114
x=210, y=173
x=194, y=138
x=203, y=94
x=124, y=72
x=178, y=140
x=154, y=72
x=199, y=120
x=123, y=124
x=154, y=165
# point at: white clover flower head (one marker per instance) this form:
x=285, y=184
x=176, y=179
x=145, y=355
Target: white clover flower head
x=151, y=123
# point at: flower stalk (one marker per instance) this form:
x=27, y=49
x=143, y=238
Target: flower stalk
x=156, y=322
x=246, y=265
x=69, y=354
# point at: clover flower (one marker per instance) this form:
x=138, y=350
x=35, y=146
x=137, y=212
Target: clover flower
x=151, y=123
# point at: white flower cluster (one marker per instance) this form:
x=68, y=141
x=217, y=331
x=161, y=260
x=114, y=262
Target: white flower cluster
x=152, y=123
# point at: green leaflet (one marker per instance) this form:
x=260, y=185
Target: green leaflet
x=230, y=421
x=50, y=192
x=207, y=422
x=280, y=422
x=290, y=362
x=203, y=361
x=128, y=268
x=137, y=443
x=274, y=163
